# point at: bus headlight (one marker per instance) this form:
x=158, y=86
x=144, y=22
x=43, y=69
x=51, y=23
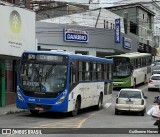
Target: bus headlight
x=60, y=100
x=20, y=96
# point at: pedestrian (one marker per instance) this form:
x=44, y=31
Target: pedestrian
x=155, y=112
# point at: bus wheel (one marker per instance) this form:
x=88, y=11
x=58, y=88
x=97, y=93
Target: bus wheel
x=134, y=84
x=34, y=112
x=145, y=80
x=100, y=102
x=76, y=108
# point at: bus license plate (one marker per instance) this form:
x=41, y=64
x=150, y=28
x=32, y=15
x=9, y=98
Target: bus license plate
x=39, y=108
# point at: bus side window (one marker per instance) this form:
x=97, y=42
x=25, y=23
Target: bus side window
x=79, y=71
x=73, y=73
x=150, y=60
x=136, y=63
x=110, y=72
x=105, y=71
x=99, y=69
x=139, y=62
x=87, y=71
x=94, y=71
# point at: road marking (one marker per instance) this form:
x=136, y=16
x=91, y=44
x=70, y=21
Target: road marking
x=142, y=88
x=81, y=123
x=63, y=124
x=107, y=105
x=69, y=123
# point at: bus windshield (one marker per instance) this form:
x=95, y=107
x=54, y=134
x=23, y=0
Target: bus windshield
x=43, y=77
x=121, y=67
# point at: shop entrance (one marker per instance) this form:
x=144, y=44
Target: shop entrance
x=2, y=83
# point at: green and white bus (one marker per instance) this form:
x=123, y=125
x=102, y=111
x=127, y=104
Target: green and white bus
x=131, y=69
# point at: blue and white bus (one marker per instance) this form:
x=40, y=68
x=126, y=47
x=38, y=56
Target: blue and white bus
x=62, y=82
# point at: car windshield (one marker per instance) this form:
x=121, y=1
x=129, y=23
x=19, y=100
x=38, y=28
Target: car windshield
x=121, y=67
x=43, y=77
x=130, y=94
x=157, y=63
x=156, y=67
x=155, y=78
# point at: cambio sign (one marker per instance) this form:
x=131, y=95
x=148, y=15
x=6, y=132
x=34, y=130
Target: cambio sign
x=117, y=30
x=127, y=43
x=76, y=35
x=17, y=30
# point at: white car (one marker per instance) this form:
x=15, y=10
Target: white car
x=130, y=100
x=154, y=82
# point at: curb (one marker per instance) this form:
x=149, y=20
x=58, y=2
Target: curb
x=13, y=112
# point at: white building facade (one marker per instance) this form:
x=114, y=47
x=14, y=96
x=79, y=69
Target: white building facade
x=17, y=34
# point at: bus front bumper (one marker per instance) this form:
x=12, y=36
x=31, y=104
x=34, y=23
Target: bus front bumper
x=120, y=84
x=62, y=107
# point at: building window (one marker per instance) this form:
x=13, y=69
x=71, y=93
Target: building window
x=105, y=24
x=143, y=16
x=133, y=28
x=81, y=52
x=111, y=25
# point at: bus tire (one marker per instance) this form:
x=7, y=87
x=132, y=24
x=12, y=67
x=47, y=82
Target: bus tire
x=145, y=80
x=34, y=112
x=76, y=108
x=100, y=102
x=134, y=83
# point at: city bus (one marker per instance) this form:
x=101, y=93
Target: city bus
x=62, y=82
x=131, y=69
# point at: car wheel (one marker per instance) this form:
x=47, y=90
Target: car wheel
x=116, y=112
x=34, y=112
x=142, y=112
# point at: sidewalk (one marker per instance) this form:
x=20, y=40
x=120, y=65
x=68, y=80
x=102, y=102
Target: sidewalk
x=10, y=109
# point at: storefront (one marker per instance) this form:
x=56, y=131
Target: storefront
x=83, y=40
x=17, y=34
x=144, y=48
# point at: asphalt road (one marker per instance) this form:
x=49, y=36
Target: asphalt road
x=97, y=122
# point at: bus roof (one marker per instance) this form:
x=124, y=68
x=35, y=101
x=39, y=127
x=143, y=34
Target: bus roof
x=73, y=56
x=131, y=55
